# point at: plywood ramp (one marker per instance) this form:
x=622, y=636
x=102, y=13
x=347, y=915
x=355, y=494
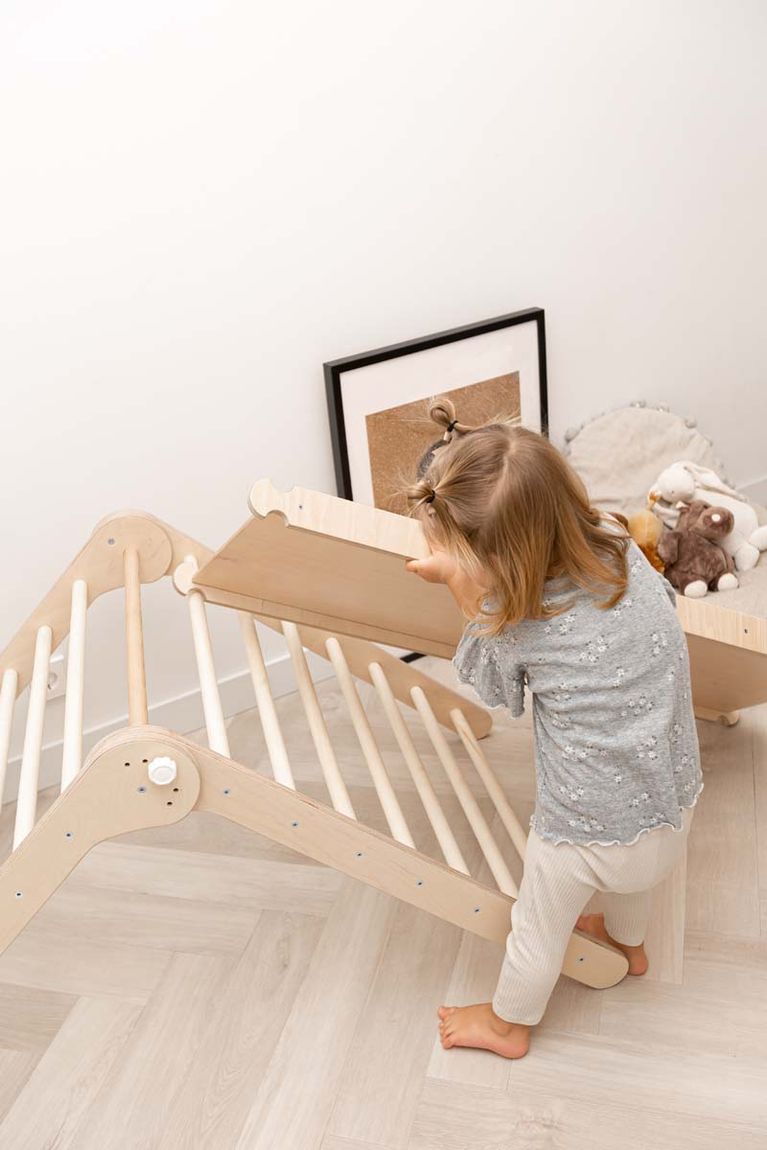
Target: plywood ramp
x=329, y=563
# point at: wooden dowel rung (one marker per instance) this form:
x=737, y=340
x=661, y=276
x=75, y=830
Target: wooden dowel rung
x=339, y=795
x=26, y=806
x=275, y=744
x=492, y=786
x=72, y=755
x=138, y=714
x=476, y=819
x=381, y=781
x=440, y=825
x=8, y=691
x=206, y=672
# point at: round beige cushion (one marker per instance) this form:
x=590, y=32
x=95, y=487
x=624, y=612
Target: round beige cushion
x=619, y=455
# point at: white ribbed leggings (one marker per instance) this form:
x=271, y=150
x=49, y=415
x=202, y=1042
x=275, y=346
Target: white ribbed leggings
x=558, y=881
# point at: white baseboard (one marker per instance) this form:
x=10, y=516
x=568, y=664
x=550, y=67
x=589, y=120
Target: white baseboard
x=183, y=714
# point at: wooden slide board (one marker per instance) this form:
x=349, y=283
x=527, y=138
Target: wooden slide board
x=340, y=566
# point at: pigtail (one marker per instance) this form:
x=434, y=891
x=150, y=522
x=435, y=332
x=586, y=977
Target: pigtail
x=442, y=412
x=421, y=496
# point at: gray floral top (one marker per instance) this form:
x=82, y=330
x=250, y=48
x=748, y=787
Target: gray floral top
x=615, y=738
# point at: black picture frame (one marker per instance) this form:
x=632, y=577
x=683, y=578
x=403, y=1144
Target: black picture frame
x=335, y=370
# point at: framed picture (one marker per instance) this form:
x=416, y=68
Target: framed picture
x=378, y=401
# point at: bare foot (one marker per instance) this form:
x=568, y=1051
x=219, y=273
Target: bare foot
x=479, y=1026
x=594, y=925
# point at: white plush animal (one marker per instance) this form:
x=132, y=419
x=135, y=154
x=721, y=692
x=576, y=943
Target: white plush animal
x=685, y=481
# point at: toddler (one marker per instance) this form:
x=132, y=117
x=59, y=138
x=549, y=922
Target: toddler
x=563, y=605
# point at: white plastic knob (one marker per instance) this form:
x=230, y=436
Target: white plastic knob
x=162, y=771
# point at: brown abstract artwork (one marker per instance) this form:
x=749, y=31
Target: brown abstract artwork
x=399, y=436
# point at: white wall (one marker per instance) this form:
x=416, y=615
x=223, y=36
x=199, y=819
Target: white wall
x=203, y=200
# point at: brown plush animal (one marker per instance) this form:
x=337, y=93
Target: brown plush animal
x=695, y=561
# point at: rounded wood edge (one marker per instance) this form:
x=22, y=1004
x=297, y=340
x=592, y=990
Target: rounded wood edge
x=594, y=963
x=125, y=756
x=725, y=718
x=114, y=537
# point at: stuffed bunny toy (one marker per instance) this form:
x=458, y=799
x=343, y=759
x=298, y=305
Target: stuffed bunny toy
x=695, y=560
x=685, y=482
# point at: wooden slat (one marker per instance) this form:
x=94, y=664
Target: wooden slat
x=275, y=744
x=206, y=670
x=476, y=819
x=401, y=676
x=441, y=827
x=339, y=795
x=381, y=781
x=134, y=636
x=8, y=691
x=33, y=739
x=71, y=760
x=492, y=786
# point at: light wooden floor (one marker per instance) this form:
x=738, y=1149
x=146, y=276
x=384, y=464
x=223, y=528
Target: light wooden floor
x=199, y=987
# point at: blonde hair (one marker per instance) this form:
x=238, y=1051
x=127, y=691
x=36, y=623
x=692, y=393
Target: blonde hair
x=507, y=506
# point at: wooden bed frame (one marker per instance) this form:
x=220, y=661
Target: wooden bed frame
x=295, y=552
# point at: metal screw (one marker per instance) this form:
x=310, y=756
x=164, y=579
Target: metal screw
x=68, y=835
x=226, y=790
x=19, y=894
x=111, y=542
x=419, y=882
x=294, y=823
x=358, y=854
x=476, y=909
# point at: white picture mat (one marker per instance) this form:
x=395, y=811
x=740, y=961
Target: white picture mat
x=423, y=374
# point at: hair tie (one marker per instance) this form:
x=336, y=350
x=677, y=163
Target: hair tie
x=452, y=424
x=430, y=498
